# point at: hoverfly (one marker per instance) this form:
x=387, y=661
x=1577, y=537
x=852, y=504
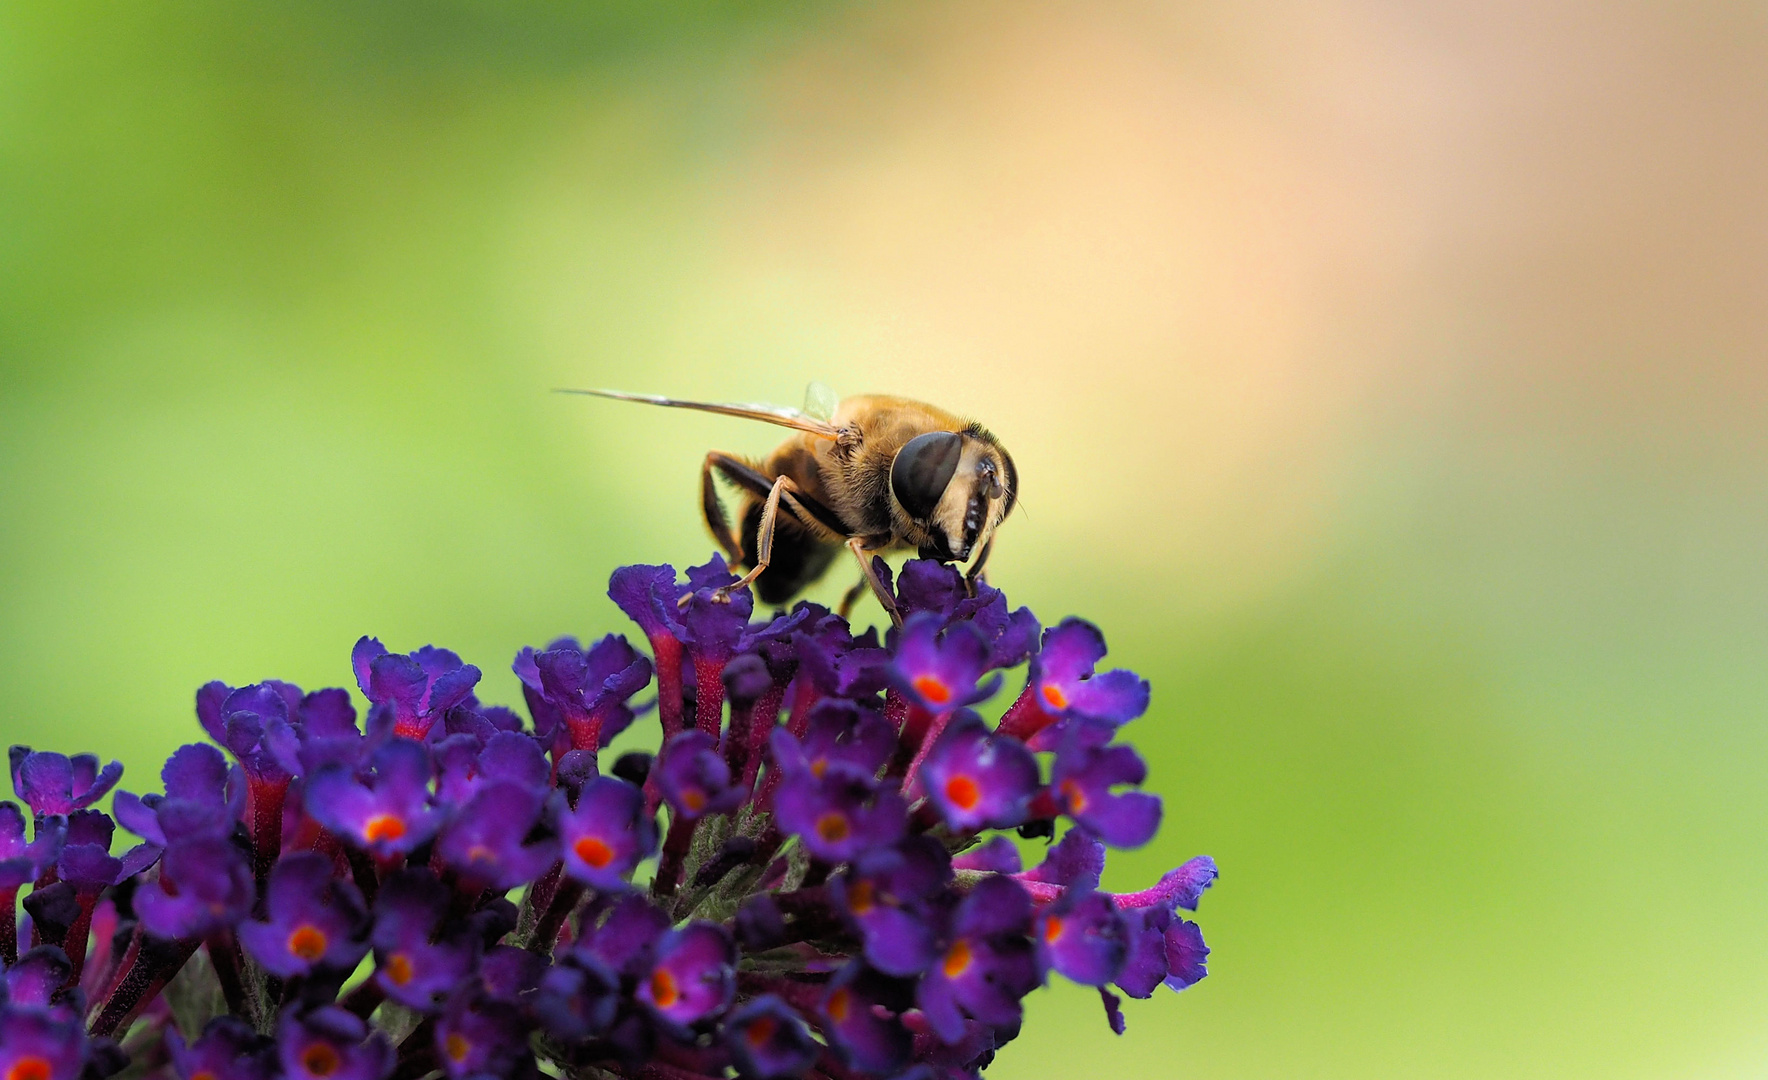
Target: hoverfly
x=871, y=473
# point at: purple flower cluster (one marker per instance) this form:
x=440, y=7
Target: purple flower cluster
x=798, y=883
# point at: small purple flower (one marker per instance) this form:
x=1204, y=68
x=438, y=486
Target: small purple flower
x=326, y=734
x=410, y=692
x=1062, y=693
x=998, y=856
x=769, y=1041
x=268, y=728
x=1083, y=937
x=198, y=803
x=694, y=777
x=203, y=885
x=927, y=585
x=887, y=894
x=413, y=964
x=578, y=998
x=484, y=843
x=315, y=920
x=647, y=594
x=228, y=1049
x=85, y=861
x=22, y=861
x=38, y=981
x=1082, y=780
x=834, y=661
x=713, y=626
x=606, y=835
x=1182, y=886
x=389, y=816
x=331, y=1044
x=979, y=780
x=938, y=667
x=1185, y=955
x=249, y=720
x=693, y=975
x=988, y=963
x=51, y=783
x=584, y=690
x=36, y=1045
x=480, y=1036
x=87, y=868
x=1162, y=948
x=1077, y=860
x=710, y=627
x=844, y=739
x=837, y=817
x=746, y=679
x=510, y=974
x=623, y=940
x=861, y=1013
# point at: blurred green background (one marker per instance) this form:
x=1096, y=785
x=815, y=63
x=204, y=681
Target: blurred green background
x=1387, y=380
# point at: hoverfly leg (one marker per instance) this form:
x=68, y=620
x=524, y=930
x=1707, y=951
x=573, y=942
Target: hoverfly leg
x=713, y=508
x=857, y=545
x=850, y=598
x=770, y=513
x=974, y=574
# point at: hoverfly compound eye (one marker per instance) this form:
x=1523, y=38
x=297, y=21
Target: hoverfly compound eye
x=923, y=468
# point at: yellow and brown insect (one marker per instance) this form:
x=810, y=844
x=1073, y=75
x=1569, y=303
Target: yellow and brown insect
x=874, y=474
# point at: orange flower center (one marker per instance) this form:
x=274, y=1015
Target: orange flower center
x=594, y=851
x=308, y=942
x=694, y=799
x=399, y=969
x=1054, y=695
x=957, y=959
x=320, y=1060
x=203, y=1074
x=840, y=1004
x=29, y=1068
x=383, y=827
x=860, y=898
x=1074, y=796
x=761, y=1031
x=663, y=989
x=962, y=792
x=1052, y=928
x=457, y=1046
x=832, y=827
x=932, y=688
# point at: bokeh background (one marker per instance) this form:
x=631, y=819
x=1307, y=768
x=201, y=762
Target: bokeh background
x=1388, y=380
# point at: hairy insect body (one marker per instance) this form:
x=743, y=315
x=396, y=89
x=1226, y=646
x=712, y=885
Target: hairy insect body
x=879, y=474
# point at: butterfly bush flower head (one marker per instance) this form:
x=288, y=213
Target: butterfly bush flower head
x=806, y=872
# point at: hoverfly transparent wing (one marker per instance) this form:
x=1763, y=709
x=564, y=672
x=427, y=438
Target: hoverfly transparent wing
x=820, y=402
x=782, y=415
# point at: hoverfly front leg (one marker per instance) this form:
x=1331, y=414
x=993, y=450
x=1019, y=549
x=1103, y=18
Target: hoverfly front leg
x=975, y=572
x=770, y=513
x=850, y=598
x=857, y=545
